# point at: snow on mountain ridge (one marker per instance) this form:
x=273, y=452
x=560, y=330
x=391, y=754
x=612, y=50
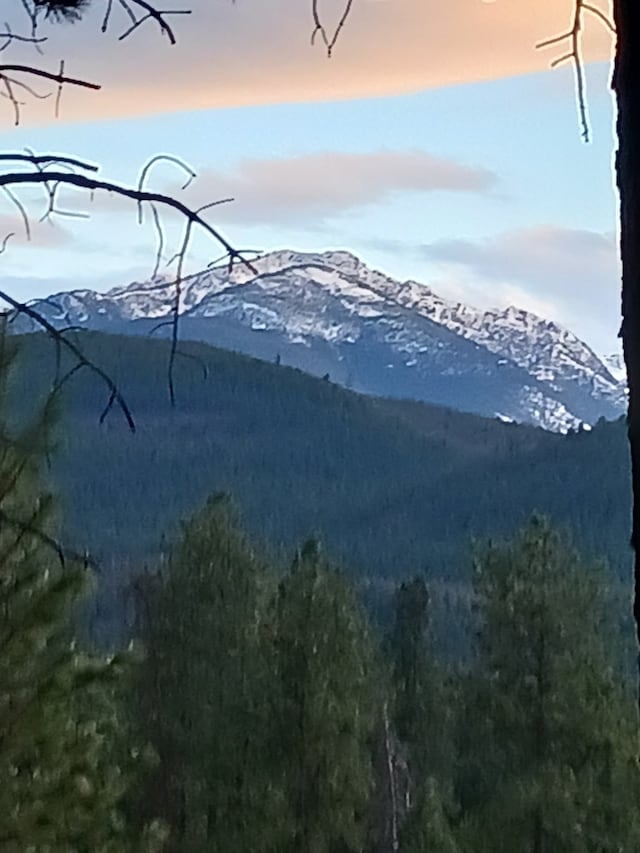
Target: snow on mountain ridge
x=616, y=366
x=334, y=300
x=549, y=351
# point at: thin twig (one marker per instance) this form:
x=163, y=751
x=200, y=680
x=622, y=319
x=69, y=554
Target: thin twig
x=90, y=183
x=574, y=55
x=320, y=29
x=148, y=13
x=47, y=160
x=115, y=396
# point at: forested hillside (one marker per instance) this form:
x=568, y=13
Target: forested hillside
x=391, y=487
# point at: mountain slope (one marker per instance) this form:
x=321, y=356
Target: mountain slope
x=392, y=486
x=330, y=313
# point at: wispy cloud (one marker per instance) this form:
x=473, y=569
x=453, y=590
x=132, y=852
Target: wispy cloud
x=43, y=235
x=312, y=188
x=544, y=255
x=573, y=273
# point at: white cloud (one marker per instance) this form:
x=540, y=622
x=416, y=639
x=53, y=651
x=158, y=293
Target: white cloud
x=312, y=188
x=571, y=275
x=45, y=235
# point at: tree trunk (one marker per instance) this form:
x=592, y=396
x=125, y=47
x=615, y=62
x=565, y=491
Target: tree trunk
x=540, y=736
x=537, y=833
x=626, y=84
x=395, y=844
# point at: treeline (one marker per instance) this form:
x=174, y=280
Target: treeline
x=282, y=722
x=261, y=711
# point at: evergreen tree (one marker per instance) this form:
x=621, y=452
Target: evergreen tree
x=429, y=826
x=63, y=10
x=411, y=664
x=422, y=718
x=326, y=707
x=202, y=695
x=550, y=747
x=62, y=770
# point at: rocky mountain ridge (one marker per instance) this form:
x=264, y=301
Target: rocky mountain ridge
x=329, y=313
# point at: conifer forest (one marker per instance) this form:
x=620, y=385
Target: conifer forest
x=221, y=682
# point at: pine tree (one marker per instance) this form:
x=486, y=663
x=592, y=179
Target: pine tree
x=326, y=709
x=61, y=777
x=202, y=695
x=429, y=826
x=411, y=664
x=550, y=747
x=422, y=718
x=63, y=10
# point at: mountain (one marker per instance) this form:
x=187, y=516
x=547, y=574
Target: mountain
x=329, y=313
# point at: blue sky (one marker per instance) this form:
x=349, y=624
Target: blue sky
x=484, y=191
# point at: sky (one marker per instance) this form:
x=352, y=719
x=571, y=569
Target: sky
x=436, y=144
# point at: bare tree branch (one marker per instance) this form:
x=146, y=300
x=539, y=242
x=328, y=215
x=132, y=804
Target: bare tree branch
x=115, y=396
x=5, y=241
x=10, y=82
x=13, y=179
x=21, y=210
x=31, y=528
x=574, y=55
x=10, y=37
x=58, y=77
x=47, y=160
x=52, y=172
x=319, y=29
x=48, y=174
x=162, y=158
x=148, y=13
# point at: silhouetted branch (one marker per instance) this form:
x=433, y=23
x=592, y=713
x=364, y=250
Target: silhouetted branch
x=21, y=210
x=47, y=173
x=5, y=241
x=31, y=528
x=82, y=361
x=160, y=246
x=161, y=325
x=175, y=313
x=11, y=78
x=574, y=55
x=10, y=37
x=56, y=77
x=199, y=361
x=162, y=158
x=148, y=12
x=47, y=160
x=13, y=179
x=53, y=172
x=319, y=28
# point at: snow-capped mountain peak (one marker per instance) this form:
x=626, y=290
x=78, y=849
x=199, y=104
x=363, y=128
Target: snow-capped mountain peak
x=328, y=312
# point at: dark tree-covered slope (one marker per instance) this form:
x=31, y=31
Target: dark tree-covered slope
x=391, y=486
